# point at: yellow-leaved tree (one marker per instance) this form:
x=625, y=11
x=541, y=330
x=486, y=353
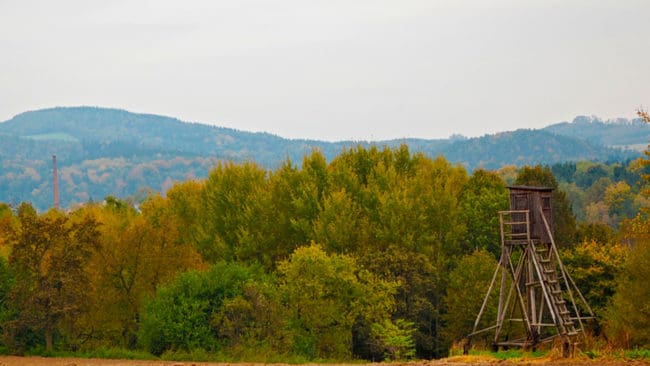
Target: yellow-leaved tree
x=628, y=315
x=137, y=252
x=49, y=258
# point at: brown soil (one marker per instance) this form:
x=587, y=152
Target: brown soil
x=453, y=361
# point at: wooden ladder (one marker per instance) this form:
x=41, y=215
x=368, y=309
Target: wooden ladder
x=549, y=279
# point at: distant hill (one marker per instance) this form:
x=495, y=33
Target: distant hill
x=104, y=151
x=529, y=147
x=624, y=133
x=89, y=132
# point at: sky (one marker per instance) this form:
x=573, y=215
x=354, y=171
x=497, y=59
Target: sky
x=332, y=69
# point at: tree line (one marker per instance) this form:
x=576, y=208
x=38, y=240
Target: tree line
x=114, y=152
x=377, y=254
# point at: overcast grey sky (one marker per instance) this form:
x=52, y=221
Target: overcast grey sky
x=331, y=69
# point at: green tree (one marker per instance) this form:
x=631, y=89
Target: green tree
x=409, y=224
x=419, y=296
x=341, y=225
x=233, y=201
x=482, y=197
x=201, y=310
x=565, y=172
x=325, y=295
x=291, y=208
x=6, y=284
x=596, y=191
x=254, y=324
x=467, y=288
x=185, y=200
x=577, y=198
x=588, y=173
x=395, y=338
x=599, y=233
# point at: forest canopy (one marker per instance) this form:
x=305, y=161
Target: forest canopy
x=367, y=256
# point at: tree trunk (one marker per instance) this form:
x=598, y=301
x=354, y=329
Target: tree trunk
x=48, y=339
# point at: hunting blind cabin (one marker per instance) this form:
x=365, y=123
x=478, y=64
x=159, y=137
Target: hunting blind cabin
x=538, y=301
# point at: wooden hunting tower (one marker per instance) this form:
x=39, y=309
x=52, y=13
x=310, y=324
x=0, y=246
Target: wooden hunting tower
x=537, y=201
x=536, y=295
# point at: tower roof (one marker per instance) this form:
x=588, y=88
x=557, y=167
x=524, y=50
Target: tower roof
x=531, y=188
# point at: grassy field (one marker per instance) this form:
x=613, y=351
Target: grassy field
x=117, y=357
x=452, y=361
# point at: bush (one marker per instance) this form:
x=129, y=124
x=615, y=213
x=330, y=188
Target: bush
x=181, y=316
x=396, y=339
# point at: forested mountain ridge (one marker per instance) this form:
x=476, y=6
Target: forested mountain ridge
x=104, y=151
x=620, y=132
x=528, y=147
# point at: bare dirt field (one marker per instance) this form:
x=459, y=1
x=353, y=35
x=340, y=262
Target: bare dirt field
x=454, y=361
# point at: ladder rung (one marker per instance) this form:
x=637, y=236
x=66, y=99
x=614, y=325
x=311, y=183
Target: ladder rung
x=518, y=240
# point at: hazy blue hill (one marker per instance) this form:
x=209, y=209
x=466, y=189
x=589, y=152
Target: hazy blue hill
x=104, y=151
x=619, y=132
x=108, y=126
x=529, y=147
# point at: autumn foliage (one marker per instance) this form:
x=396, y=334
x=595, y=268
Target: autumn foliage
x=377, y=254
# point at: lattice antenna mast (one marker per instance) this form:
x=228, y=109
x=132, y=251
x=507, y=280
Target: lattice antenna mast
x=55, y=178
x=538, y=299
